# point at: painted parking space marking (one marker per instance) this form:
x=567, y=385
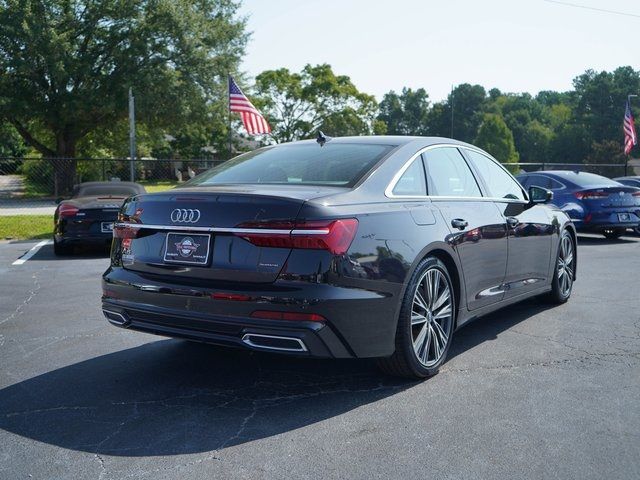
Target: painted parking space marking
x=32, y=252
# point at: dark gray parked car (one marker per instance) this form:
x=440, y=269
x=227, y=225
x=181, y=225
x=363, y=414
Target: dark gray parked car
x=353, y=247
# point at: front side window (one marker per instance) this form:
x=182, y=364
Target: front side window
x=336, y=164
x=412, y=181
x=499, y=182
x=448, y=174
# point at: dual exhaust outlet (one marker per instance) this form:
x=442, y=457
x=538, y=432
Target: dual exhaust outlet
x=255, y=340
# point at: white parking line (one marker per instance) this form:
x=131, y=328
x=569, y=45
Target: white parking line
x=32, y=252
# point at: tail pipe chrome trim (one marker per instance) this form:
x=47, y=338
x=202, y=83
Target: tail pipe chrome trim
x=274, y=342
x=116, y=318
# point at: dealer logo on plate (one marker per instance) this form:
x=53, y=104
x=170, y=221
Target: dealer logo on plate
x=186, y=247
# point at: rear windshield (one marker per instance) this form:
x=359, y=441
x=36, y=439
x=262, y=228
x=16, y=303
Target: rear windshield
x=114, y=190
x=338, y=164
x=584, y=179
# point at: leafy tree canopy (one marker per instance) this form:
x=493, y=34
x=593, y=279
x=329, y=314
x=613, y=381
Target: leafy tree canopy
x=66, y=66
x=298, y=104
x=495, y=137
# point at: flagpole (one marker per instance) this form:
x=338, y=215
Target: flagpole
x=626, y=160
x=229, y=113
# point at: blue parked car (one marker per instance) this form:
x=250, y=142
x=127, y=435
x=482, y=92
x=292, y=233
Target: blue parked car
x=595, y=203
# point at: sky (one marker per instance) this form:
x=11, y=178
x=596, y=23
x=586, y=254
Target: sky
x=516, y=46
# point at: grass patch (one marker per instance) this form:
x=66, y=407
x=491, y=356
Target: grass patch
x=159, y=185
x=22, y=227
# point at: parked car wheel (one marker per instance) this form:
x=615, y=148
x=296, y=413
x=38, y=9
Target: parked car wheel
x=613, y=233
x=564, y=274
x=60, y=249
x=425, y=325
x=637, y=230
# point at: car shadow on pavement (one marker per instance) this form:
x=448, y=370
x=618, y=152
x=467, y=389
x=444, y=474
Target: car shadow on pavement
x=79, y=253
x=173, y=397
x=487, y=328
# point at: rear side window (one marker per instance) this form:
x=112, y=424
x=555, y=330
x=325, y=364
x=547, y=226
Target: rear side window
x=412, y=181
x=339, y=164
x=584, y=179
x=499, y=182
x=539, y=181
x=448, y=174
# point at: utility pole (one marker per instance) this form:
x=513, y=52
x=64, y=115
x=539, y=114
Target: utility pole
x=132, y=135
x=451, y=111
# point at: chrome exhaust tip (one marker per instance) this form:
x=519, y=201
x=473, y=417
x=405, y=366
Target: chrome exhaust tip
x=116, y=318
x=274, y=342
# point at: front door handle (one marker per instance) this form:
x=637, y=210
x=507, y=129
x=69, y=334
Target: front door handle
x=459, y=223
x=513, y=222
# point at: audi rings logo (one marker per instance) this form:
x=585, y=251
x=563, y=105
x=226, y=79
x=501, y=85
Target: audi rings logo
x=185, y=215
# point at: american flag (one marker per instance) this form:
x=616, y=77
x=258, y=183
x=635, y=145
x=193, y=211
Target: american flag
x=252, y=119
x=630, y=137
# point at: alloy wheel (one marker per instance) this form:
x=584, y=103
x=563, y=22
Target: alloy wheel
x=565, y=266
x=431, y=317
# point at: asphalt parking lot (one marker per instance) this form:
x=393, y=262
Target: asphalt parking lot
x=531, y=391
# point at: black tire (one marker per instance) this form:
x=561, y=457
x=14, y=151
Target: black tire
x=561, y=287
x=60, y=249
x=405, y=362
x=614, y=233
x=636, y=230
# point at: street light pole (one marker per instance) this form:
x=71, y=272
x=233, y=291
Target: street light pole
x=132, y=135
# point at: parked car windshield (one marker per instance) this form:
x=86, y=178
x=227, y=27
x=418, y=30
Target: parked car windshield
x=104, y=190
x=584, y=179
x=339, y=164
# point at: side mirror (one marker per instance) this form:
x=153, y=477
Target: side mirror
x=540, y=195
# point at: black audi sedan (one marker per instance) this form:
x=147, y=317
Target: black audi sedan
x=87, y=218
x=345, y=247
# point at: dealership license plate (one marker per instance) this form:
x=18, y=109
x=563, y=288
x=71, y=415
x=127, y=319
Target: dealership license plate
x=624, y=217
x=187, y=249
x=106, y=227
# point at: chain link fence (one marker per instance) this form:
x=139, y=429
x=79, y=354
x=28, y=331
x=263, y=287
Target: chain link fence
x=30, y=188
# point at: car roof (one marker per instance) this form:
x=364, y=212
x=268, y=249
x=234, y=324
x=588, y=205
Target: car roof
x=393, y=140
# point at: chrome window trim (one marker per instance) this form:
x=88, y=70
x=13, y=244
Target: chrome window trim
x=248, y=231
x=396, y=178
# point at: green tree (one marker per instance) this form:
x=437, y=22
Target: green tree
x=11, y=144
x=467, y=102
x=609, y=151
x=407, y=113
x=298, y=104
x=66, y=66
x=495, y=137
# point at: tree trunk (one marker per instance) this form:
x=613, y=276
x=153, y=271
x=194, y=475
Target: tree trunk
x=64, y=165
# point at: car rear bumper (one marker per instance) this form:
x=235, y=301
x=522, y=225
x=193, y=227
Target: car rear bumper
x=83, y=238
x=359, y=323
x=599, y=227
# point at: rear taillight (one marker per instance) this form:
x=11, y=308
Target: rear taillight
x=334, y=236
x=636, y=194
x=125, y=232
x=590, y=195
x=292, y=316
x=65, y=210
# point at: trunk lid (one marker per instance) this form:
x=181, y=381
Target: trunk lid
x=185, y=223
x=610, y=197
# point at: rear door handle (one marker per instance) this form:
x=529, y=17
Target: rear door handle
x=459, y=223
x=512, y=222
